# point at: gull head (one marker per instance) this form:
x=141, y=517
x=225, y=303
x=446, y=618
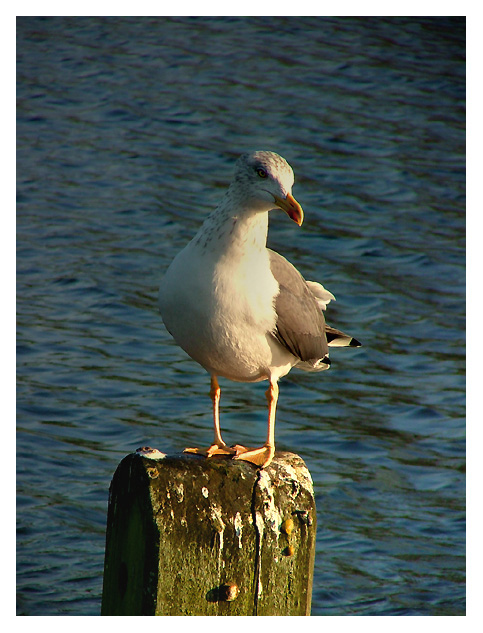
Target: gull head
x=264, y=181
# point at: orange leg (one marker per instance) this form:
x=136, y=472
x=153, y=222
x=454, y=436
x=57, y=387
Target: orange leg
x=215, y=393
x=264, y=455
x=218, y=447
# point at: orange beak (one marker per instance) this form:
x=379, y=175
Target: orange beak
x=291, y=208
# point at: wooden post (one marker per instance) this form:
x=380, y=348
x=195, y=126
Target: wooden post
x=188, y=535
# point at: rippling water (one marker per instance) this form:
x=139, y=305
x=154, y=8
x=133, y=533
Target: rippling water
x=127, y=130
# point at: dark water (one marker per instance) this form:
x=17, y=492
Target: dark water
x=127, y=134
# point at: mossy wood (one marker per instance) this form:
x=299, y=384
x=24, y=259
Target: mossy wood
x=188, y=535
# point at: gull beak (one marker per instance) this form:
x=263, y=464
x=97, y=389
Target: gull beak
x=291, y=207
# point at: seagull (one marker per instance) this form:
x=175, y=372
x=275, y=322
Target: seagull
x=241, y=310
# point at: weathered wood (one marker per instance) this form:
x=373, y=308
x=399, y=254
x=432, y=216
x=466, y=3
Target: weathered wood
x=188, y=535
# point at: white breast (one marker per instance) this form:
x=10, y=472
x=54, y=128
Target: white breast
x=220, y=311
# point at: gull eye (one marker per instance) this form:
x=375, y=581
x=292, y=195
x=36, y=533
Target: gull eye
x=261, y=172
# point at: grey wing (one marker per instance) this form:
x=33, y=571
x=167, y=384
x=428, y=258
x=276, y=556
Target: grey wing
x=300, y=323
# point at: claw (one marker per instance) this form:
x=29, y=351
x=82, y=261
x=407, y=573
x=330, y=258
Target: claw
x=214, y=449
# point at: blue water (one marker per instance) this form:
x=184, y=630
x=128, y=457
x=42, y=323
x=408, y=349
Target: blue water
x=128, y=129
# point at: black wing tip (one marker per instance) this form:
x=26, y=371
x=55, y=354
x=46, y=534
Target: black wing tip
x=355, y=343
